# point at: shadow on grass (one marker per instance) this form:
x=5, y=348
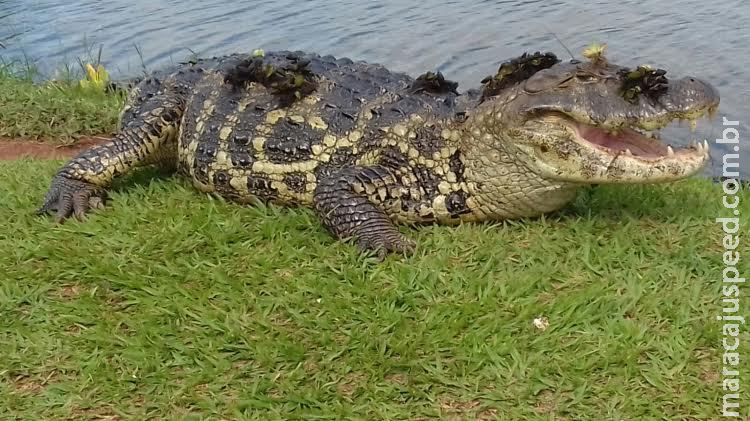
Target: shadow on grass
x=143, y=177
x=658, y=202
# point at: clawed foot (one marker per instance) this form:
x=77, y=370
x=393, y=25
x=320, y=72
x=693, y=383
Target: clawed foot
x=69, y=197
x=386, y=243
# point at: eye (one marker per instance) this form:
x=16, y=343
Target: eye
x=585, y=77
x=545, y=80
x=565, y=82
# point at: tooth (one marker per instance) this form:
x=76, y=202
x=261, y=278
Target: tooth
x=628, y=153
x=693, y=144
x=705, y=144
x=670, y=151
x=701, y=147
x=693, y=125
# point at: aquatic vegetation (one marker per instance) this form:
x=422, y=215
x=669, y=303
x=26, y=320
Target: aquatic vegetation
x=434, y=83
x=291, y=81
x=516, y=70
x=643, y=80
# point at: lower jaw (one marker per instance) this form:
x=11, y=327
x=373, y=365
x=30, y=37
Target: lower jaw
x=593, y=165
x=619, y=169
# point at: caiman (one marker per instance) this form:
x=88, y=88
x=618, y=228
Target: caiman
x=368, y=148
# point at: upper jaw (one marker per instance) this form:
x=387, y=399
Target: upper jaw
x=645, y=117
x=618, y=128
x=649, y=117
x=604, y=106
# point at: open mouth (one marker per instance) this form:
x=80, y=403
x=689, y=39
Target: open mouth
x=639, y=143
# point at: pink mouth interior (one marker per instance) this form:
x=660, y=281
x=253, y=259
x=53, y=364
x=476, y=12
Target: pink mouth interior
x=638, y=144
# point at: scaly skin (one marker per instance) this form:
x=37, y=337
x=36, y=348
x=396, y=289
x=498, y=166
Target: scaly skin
x=366, y=147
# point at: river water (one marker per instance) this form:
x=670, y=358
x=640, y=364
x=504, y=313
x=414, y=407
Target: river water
x=464, y=39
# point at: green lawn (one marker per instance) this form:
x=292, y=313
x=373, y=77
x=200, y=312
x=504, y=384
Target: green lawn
x=57, y=112
x=170, y=304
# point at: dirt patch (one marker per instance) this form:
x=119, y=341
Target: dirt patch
x=349, y=384
x=241, y=365
x=69, y=292
x=450, y=404
x=399, y=379
x=27, y=385
x=11, y=149
x=546, y=402
x=285, y=274
x=115, y=301
x=710, y=377
x=453, y=408
x=102, y=413
x=74, y=330
x=311, y=367
x=275, y=394
x=488, y=414
x=708, y=367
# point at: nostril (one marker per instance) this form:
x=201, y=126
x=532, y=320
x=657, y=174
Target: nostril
x=692, y=79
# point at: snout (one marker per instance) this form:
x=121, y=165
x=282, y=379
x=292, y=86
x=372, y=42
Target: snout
x=690, y=95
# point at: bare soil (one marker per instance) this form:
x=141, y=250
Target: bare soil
x=11, y=149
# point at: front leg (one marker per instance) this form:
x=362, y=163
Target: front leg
x=342, y=203
x=81, y=184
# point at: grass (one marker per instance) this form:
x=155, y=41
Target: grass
x=171, y=304
x=57, y=111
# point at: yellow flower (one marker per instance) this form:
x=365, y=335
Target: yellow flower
x=95, y=78
x=595, y=51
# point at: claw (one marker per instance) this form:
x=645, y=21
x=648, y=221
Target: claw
x=96, y=202
x=64, y=209
x=69, y=197
x=80, y=205
x=49, y=201
x=384, y=246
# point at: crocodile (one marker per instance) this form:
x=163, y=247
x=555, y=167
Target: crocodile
x=369, y=149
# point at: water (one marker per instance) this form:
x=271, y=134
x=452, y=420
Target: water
x=464, y=39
